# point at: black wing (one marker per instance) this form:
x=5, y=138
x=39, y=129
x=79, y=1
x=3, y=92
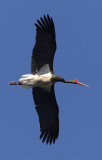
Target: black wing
x=48, y=112
x=45, y=46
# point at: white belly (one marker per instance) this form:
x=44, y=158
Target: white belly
x=29, y=80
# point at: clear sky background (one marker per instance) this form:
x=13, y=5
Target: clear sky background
x=78, y=25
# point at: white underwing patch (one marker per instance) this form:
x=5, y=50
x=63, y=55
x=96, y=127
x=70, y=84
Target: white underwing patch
x=44, y=70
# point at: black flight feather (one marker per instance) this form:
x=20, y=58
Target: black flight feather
x=47, y=109
x=45, y=46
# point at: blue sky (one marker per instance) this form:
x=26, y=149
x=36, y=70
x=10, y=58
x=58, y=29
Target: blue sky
x=78, y=26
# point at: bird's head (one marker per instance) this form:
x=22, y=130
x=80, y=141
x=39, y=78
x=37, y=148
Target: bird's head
x=74, y=81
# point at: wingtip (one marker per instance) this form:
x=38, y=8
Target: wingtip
x=47, y=14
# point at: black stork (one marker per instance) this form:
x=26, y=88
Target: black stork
x=42, y=79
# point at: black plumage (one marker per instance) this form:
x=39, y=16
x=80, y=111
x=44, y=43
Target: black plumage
x=46, y=105
x=48, y=112
x=45, y=46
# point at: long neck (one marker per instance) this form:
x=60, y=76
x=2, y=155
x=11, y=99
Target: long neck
x=68, y=81
x=56, y=78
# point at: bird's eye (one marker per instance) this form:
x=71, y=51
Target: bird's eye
x=76, y=81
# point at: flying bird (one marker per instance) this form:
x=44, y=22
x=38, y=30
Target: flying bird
x=42, y=79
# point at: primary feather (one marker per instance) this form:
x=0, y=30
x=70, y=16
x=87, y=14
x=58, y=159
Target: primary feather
x=45, y=46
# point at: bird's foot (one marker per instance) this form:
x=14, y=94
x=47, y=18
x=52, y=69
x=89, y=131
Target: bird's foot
x=14, y=83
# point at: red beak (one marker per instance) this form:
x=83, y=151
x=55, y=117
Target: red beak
x=81, y=83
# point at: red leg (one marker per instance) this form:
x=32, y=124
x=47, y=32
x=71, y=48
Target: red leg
x=14, y=83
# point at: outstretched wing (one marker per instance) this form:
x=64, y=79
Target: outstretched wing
x=48, y=112
x=45, y=46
